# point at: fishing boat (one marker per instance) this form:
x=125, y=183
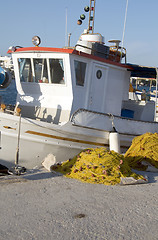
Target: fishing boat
x=6, y=62
x=70, y=99
x=143, y=85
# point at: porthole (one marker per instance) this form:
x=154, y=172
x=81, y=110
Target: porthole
x=99, y=74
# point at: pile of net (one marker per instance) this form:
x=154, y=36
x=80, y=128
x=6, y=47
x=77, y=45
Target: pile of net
x=97, y=165
x=143, y=150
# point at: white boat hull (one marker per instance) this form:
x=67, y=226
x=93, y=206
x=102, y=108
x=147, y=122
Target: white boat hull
x=40, y=139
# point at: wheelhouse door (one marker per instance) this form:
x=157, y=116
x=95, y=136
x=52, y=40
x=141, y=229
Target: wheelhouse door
x=98, y=88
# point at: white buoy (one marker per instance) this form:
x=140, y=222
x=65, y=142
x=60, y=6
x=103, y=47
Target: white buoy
x=114, y=142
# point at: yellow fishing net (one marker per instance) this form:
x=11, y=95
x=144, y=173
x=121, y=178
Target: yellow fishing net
x=143, y=148
x=97, y=165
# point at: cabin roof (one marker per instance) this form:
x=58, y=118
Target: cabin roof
x=142, y=71
x=42, y=49
x=69, y=51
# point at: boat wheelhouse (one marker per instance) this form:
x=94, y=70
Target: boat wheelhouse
x=54, y=83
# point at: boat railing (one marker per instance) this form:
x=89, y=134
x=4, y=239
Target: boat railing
x=110, y=53
x=117, y=53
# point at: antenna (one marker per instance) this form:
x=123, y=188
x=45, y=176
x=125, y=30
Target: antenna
x=124, y=28
x=66, y=29
x=69, y=36
x=91, y=16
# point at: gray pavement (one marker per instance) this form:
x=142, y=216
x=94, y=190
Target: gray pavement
x=41, y=205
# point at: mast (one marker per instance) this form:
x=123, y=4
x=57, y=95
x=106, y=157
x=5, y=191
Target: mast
x=91, y=16
x=91, y=10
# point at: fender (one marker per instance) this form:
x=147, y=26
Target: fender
x=5, y=78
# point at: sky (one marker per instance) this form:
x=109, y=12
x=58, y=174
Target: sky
x=21, y=20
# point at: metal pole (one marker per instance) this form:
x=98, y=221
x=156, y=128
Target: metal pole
x=156, y=93
x=69, y=36
x=66, y=29
x=17, y=149
x=124, y=28
x=91, y=17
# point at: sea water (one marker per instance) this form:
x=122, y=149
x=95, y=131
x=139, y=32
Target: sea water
x=8, y=95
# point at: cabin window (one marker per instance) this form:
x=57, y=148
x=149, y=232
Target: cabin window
x=56, y=71
x=25, y=70
x=80, y=70
x=41, y=72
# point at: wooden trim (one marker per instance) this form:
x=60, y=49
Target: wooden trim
x=42, y=49
x=69, y=51
x=70, y=139
x=102, y=60
x=66, y=139
x=8, y=127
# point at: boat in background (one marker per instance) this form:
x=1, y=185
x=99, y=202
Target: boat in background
x=143, y=86
x=70, y=99
x=7, y=64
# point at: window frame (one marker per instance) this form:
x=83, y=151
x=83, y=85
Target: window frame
x=84, y=82
x=48, y=58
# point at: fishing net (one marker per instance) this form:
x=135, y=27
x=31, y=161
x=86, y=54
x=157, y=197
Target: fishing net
x=97, y=165
x=144, y=149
